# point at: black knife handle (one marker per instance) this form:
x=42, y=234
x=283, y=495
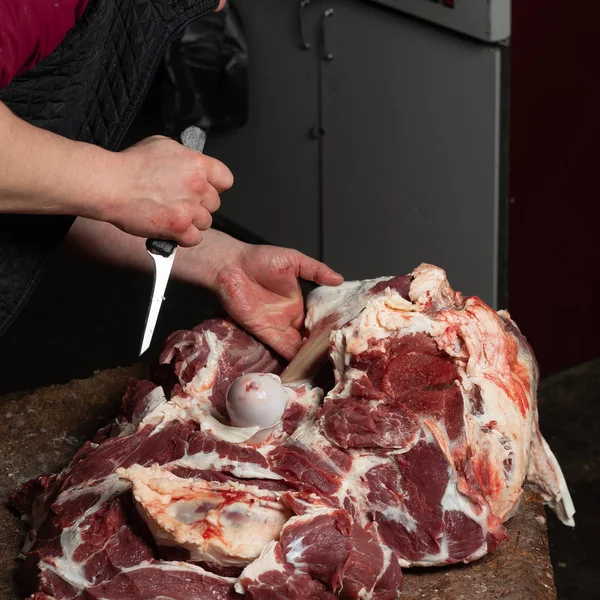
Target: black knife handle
x=194, y=138
x=162, y=247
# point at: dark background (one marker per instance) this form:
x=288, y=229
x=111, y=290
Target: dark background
x=86, y=316
x=554, y=241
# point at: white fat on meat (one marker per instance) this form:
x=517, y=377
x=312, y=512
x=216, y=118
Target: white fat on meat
x=266, y=563
x=546, y=478
x=430, y=290
x=489, y=356
x=228, y=433
x=66, y=566
x=177, y=566
x=181, y=408
x=505, y=432
x=202, y=383
x=338, y=304
x=224, y=524
x=213, y=461
x=385, y=314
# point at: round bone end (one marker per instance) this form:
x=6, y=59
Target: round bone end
x=256, y=399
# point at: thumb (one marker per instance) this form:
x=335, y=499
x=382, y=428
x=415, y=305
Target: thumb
x=313, y=270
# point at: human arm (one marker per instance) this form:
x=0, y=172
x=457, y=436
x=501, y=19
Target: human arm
x=156, y=188
x=257, y=285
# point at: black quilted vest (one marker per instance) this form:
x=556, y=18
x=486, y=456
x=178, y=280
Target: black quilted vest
x=88, y=89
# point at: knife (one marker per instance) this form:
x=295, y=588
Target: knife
x=163, y=251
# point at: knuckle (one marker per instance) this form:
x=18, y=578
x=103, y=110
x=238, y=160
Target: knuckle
x=179, y=221
x=199, y=184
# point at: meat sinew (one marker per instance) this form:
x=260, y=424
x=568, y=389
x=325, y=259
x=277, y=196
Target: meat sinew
x=416, y=456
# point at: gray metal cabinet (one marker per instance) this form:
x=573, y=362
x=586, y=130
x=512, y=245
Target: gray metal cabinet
x=274, y=160
x=408, y=161
x=412, y=149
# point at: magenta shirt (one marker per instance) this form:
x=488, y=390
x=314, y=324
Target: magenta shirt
x=31, y=29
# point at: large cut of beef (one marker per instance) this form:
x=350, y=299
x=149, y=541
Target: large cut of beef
x=416, y=456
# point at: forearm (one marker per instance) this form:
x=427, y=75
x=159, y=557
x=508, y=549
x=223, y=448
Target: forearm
x=198, y=266
x=44, y=173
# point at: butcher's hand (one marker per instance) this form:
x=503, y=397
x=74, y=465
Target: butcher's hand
x=170, y=191
x=157, y=188
x=259, y=288
x=257, y=285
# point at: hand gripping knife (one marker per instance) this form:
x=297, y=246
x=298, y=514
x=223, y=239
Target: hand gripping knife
x=163, y=251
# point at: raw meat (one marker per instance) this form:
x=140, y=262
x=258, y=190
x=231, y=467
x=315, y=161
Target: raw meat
x=211, y=356
x=323, y=554
x=416, y=456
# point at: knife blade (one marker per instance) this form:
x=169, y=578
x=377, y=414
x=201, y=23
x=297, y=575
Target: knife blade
x=163, y=252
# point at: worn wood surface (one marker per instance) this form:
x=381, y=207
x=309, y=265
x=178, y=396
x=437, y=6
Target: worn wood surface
x=41, y=430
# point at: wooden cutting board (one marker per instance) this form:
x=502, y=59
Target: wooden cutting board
x=41, y=430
